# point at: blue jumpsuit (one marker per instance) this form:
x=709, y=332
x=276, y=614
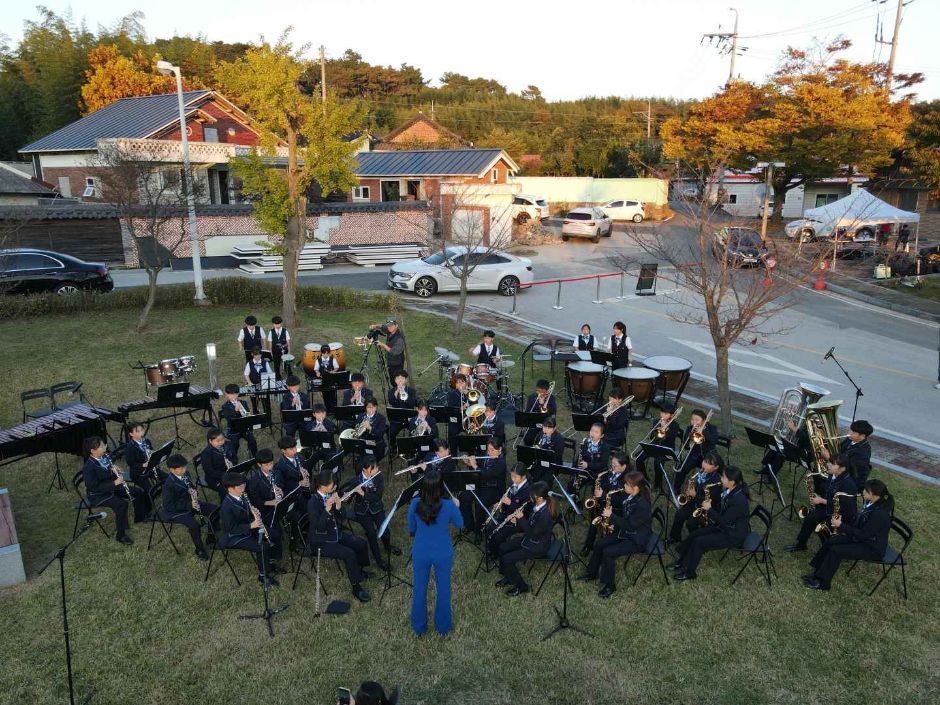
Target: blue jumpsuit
x=432, y=547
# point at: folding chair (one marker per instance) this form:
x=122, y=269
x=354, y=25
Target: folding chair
x=66, y=388
x=556, y=554
x=156, y=509
x=656, y=546
x=725, y=442
x=755, y=545
x=891, y=557
x=83, y=505
x=33, y=395
x=303, y=526
x=200, y=481
x=573, y=447
x=224, y=551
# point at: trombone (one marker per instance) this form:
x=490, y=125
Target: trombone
x=696, y=437
x=658, y=430
x=603, y=411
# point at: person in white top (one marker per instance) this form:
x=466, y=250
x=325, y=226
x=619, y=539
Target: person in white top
x=251, y=336
x=486, y=352
x=584, y=341
x=278, y=340
x=620, y=345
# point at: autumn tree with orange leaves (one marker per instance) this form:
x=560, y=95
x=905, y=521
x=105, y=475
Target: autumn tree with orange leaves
x=112, y=76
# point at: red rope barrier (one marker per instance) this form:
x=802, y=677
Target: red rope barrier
x=572, y=279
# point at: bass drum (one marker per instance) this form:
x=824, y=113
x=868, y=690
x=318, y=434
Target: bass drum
x=311, y=355
x=337, y=351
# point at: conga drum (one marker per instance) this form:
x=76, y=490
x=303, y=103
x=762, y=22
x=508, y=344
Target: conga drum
x=638, y=381
x=336, y=350
x=311, y=355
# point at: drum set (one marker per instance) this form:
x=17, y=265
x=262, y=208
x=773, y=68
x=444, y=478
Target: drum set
x=483, y=381
x=173, y=369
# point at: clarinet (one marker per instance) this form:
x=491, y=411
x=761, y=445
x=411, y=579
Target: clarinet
x=256, y=515
x=109, y=464
x=193, y=494
x=316, y=609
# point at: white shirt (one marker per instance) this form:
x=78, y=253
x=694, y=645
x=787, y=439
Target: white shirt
x=262, y=365
x=241, y=333
x=610, y=345
x=587, y=339
x=476, y=350
x=286, y=334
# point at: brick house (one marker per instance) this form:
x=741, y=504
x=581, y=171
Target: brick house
x=216, y=129
x=421, y=132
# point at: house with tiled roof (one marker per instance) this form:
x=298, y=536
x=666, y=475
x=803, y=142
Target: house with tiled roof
x=19, y=188
x=422, y=132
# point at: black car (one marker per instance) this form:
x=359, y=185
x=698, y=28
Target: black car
x=743, y=247
x=29, y=271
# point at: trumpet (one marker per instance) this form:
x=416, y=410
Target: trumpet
x=351, y=492
x=699, y=513
x=510, y=516
x=423, y=428
x=401, y=393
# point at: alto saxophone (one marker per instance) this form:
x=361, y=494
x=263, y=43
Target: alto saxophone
x=591, y=502
x=604, y=524
x=700, y=513
x=825, y=528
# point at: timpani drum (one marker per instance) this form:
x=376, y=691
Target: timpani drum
x=336, y=350
x=584, y=378
x=674, y=372
x=311, y=355
x=637, y=381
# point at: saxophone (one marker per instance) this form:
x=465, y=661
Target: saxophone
x=700, y=513
x=805, y=509
x=604, y=524
x=684, y=498
x=590, y=503
x=824, y=528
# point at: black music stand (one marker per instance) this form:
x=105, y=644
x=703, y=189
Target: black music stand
x=244, y=424
x=600, y=357
x=565, y=559
x=301, y=417
x=157, y=457
x=661, y=454
x=796, y=457
x=472, y=445
x=269, y=613
x=411, y=446
x=403, y=499
x=400, y=416
x=321, y=440
x=536, y=457
x=348, y=413
x=333, y=381
x=768, y=444
x=244, y=467
x=446, y=414
x=527, y=420
x=457, y=481
x=169, y=394
x=583, y=422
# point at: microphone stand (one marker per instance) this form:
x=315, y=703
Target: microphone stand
x=858, y=390
x=562, y=614
x=60, y=557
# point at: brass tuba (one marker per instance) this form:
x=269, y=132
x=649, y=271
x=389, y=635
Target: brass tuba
x=822, y=425
x=792, y=408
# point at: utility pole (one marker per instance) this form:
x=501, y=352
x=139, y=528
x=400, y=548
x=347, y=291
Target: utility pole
x=323, y=75
x=722, y=39
x=769, y=175
x=649, y=119
x=894, y=45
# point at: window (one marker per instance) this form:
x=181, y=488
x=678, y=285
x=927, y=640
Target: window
x=631, y=204
x=907, y=199
x=35, y=261
x=361, y=193
x=824, y=199
x=732, y=198
x=92, y=187
x=210, y=134
x=615, y=204
x=391, y=191
x=517, y=201
x=170, y=179
x=494, y=176
x=579, y=215
x=494, y=259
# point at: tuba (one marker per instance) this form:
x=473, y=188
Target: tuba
x=822, y=425
x=473, y=418
x=792, y=408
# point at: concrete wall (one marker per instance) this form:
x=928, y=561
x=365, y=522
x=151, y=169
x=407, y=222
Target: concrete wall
x=588, y=190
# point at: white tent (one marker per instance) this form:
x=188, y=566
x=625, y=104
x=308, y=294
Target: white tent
x=860, y=208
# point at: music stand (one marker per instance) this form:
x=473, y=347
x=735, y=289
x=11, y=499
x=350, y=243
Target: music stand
x=268, y=614
x=244, y=467
x=583, y=422
x=402, y=499
x=168, y=395
x=301, y=417
x=449, y=414
x=333, y=381
x=472, y=445
x=660, y=454
x=457, y=481
x=768, y=444
x=412, y=446
x=321, y=440
x=533, y=456
x=348, y=413
x=572, y=503
x=157, y=457
x=599, y=357
x=565, y=559
x=527, y=420
x=244, y=424
x=796, y=456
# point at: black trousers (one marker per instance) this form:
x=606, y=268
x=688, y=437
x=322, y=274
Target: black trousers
x=605, y=554
x=191, y=522
x=500, y=537
x=370, y=524
x=233, y=441
x=709, y=538
x=808, y=525
x=835, y=550
x=329, y=399
x=249, y=543
x=119, y=506
x=473, y=515
x=511, y=553
x=276, y=361
x=684, y=518
x=273, y=528
x=352, y=550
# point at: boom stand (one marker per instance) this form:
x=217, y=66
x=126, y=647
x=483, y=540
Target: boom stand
x=60, y=556
x=563, y=621
x=268, y=614
x=858, y=390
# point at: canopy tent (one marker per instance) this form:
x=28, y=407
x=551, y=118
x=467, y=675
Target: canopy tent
x=858, y=208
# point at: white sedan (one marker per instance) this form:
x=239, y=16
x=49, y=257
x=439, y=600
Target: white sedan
x=441, y=271
x=625, y=210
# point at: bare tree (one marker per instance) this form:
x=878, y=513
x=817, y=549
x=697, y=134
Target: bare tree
x=148, y=189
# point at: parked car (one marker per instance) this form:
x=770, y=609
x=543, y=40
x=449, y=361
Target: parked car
x=440, y=272
x=29, y=271
x=742, y=246
x=586, y=222
x=811, y=230
x=526, y=208
x=625, y=210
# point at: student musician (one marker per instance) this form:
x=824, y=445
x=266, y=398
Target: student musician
x=539, y=402
x=632, y=526
x=290, y=470
x=358, y=392
x=265, y=492
x=401, y=396
x=137, y=453
x=486, y=352
x=214, y=462
x=584, y=341
x=255, y=370
x=423, y=424
x=864, y=538
x=665, y=433
x=294, y=400
x=726, y=527
x=278, y=343
x=250, y=337
x=105, y=487
x=840, y=485
x=549, y=439
x=240, y=526
x=326, y=537
x=492, y=425
x=706, y=482
x=327, y=363
x=533, y=539
x=617, y=423
x=457, y=399
x=515, y=497
x=699, y=428
x=609, y=482
x=490, y=488
x=857, y=449
x=374, y=430
x=593, y=456
x=234, y=408
x=620, y=345
x=329, y=458
x=368, y=509
x=439, y=458
x=181, y=503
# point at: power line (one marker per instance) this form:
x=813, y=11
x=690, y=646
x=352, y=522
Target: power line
x=809, y=26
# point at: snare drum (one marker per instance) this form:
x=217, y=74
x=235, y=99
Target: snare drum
x=153, y=375
x=484, y=373
x=584, y=378
x=169, y=369
x=311, y=355
x=463, y=369
x=638, y=381
x=336, y=350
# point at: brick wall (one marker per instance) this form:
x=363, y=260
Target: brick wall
x=224, y=122
x=76, y=176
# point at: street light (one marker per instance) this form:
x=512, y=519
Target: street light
x=769, y=167
x=166, y=68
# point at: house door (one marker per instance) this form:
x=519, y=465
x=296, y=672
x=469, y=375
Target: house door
x=391, y=191
x=223, y=187
x=414, y=190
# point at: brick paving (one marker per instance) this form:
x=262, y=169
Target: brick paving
x=890, y=454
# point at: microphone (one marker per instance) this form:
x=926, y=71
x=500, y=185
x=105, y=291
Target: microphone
x=96, y=517
x=829, y=354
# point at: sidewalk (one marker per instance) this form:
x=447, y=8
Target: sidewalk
x=890, y=454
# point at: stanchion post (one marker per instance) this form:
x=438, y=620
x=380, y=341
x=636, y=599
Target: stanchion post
x=597, y=295
x=558, y=305
x=513, y=312
x=622, y=275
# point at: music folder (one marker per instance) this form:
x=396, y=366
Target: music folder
x=172, y=392
x=472, y=445
x=316, y=439
x=255, y=422
x=348, y=413
x=400, y=414
x=298, y=416
x=526, y=419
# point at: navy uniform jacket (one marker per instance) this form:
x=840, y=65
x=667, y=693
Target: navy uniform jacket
x=136, y=457
x=712, y=478
x=634, y=520
x=431, y=421
x=495, y=428
x=288, y=472
x=371, y=501
x=673, y=433
x=228, y=411
x=532, y=404
x=376, y=432
x=536, y=530
x=699, y=451
x=859, y=454
x=455, y=399
x=518, y=498
x=323, y=525
x=492, y=476
x=616, y=426
x=213, y=465
x=287, y=401
x=409, y=403
x=236, y=520
x=870, y=528
x=554, y=443
x=175, y=495
x=732, y=518
x=99, y=481
x=261, y=490
x=597, y=460
x=612, y=482
x=447, y=465
x=848, y=506
x=348, y=395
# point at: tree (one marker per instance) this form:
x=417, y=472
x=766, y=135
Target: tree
x=112, y=76
x=146, y=186
x=922, y=147
x=266, y=83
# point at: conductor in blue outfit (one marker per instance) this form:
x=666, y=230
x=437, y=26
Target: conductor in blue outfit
x=429, y=520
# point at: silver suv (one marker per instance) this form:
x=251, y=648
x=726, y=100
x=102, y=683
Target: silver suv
x=586, y=222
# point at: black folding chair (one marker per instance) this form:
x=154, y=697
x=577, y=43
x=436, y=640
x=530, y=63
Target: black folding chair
x=33, y=395
x=224, y=551
x=891, y=557
x=756, y=547
x=656, y=546
x=66, y=388
x=556, y=554
x=167, y=524
x=573, y=447
x=303, y=527
x=83, y=505
x=725, y=442
x=200, y=480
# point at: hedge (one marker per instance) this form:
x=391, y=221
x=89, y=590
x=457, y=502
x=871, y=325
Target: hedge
x=234, y=291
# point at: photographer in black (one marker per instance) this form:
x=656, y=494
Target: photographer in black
x=369, y=693
x=394, y=346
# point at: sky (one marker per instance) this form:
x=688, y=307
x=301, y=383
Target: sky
x=569, y=50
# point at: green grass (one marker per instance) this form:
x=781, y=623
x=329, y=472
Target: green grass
x=928, y=288
x=146, y=628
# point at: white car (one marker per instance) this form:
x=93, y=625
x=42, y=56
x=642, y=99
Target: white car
x=625, y=210
x=810, y=230
x=492, y=271
x=586, y=222
x=526, y=208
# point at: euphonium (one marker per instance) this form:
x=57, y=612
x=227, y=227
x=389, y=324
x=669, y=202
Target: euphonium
x=792, y=408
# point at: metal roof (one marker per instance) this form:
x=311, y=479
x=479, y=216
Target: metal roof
x=128, y=117
x=430, y=162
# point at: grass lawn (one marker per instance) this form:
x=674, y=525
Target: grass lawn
x=146, y=629
x=929, y=288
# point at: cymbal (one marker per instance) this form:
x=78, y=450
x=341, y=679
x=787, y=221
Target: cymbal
x=505, y=364
x=453, y=357
x=442, y=352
